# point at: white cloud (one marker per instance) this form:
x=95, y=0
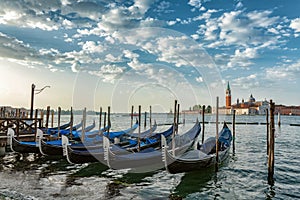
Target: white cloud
x=249, y=82
x=295, y=24
x=197, y=3
x=93, y=47
x=241, y=58
x=130, y=54
x=163, y=7
x=111, y=58
x=239, y=5
x=108, y=72
x=287, y=71
x=199, y=79
x=239, y=28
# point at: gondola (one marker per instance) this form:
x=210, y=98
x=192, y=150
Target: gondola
x=149, y=159
x=76, y=134
x=23, y=147
x=92, y=153
x=93, y=139
x=202, y=157
x=51, y=131
x=27, y=146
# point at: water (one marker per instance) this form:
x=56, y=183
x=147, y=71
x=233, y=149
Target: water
x=243, y=176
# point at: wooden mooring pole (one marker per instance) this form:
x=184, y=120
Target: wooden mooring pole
x=150, y=119
x=139, y=138
x=100, y=118
x=217, y=135
x=203, y=123
x=174, y=129
x=35, y=122
x=233, y=132
x=145, y=121
x=32, y=100
x=272, y=145
x=104, y=120
x=83, y=125
x=267, y=123
x=52, y=118
x=47, y=117
x=177, y=118
x=108, y=121
x=58, y=120
x=71, y=125
x=131, y=116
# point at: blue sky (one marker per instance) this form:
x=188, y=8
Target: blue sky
x=118, y=53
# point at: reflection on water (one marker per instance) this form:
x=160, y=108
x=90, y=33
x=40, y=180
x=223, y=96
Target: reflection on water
x=244, y=176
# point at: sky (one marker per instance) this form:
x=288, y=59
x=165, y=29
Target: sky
x=96, y=53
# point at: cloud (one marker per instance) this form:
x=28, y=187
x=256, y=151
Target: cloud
x=197, y=3
x=163, y=7
x=295, y=24
x=287, y=71
x=109, y=72
x=199, y=79
x=248, y=82
x=93, y=47
x=16, y=49
x=241, y=58
x=239, y=28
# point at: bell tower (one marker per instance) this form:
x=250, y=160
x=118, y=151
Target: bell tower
x=228, y=96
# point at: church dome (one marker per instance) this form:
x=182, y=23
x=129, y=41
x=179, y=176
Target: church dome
x=251, y=99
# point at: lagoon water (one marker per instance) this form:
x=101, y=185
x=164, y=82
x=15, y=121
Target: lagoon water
x=243, y=176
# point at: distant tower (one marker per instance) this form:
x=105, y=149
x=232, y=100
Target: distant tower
x=228, y=96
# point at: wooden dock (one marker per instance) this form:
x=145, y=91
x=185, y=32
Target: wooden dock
x=24, y=128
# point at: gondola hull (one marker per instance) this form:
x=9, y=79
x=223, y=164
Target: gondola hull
x=149, y=159
x=201, y=158
x=50, y=149
x=180, y=165
x=24, y=147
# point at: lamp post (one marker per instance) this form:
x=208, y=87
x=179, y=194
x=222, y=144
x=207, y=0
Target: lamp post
x=32, y=96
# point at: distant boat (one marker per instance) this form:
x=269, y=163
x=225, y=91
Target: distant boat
x=134, y=114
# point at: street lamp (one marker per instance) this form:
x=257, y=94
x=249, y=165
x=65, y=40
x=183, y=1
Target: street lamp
x=32, y=96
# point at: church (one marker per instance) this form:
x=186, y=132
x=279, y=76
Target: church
x=250, y=107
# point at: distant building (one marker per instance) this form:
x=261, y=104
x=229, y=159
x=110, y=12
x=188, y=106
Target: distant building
x=8, y=111
x=228, y=96
x=287, y=110
x=250, y=107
